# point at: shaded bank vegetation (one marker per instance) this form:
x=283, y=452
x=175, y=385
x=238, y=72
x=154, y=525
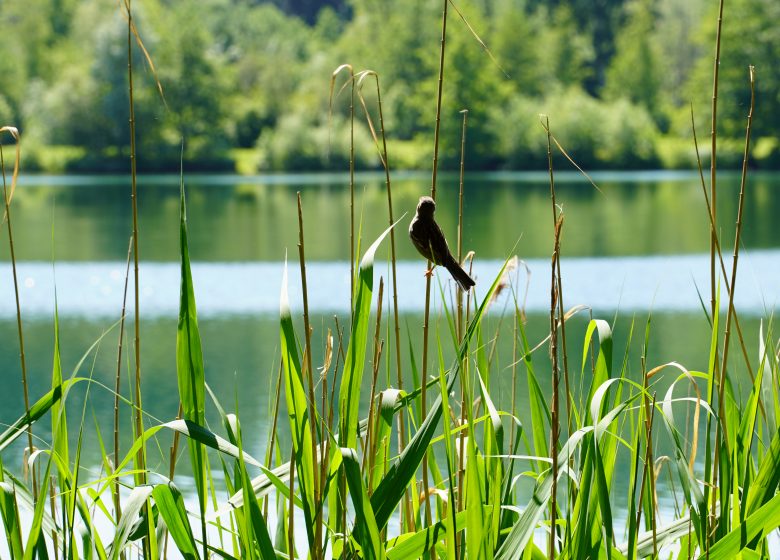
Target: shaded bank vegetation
x=244, y=81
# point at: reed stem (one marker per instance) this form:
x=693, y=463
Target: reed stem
x=554, y=313
x=316, y=546
x=117, y=385
x=737, y=237
x=19, y=328
x=423, y=402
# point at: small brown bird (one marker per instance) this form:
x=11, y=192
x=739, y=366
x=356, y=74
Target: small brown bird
x=428, y=239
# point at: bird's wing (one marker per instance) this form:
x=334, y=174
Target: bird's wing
x=441, y=251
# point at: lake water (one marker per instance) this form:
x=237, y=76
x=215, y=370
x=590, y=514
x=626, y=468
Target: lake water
x=638, y=245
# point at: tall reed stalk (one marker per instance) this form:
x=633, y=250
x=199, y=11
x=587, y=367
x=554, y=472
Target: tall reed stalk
x=407, y=507
x=556, y=314
x=434, y=175
x=459, y=323
x=117, y=380
x=316, y=548
x=19, y=329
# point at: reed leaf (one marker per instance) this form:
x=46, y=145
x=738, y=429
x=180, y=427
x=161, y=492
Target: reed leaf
x=297, y=409
x=130, y=518
x=365, y=529
x=170, y=504
x=390, y=491
x=523, y=529
x=36, y=540
x=760, y=523
x=9, y=509
x=354, y=362
x=414, y=545
x=190, y=372
x=59, y=423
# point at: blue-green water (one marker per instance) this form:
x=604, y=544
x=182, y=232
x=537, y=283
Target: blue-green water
x=633, y=248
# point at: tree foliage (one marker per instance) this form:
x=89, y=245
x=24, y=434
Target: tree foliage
x=615, y=76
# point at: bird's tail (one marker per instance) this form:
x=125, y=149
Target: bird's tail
x=461, y=277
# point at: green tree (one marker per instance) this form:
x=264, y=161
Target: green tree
x=634, y=73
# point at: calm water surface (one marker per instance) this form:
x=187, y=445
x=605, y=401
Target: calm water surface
x=637, y=244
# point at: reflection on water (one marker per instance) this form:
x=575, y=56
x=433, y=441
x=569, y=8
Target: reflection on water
x=240, y=219
x=637, y=244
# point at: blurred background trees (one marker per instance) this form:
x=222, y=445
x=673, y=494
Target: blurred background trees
x=245, y=82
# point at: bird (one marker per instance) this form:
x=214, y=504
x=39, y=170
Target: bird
x=428, y=239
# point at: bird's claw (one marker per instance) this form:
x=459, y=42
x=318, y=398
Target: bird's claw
x=429, y=273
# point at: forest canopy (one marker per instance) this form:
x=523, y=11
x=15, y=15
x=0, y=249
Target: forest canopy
x=246, y=83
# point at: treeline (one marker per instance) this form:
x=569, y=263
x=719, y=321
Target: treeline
x=246, y=83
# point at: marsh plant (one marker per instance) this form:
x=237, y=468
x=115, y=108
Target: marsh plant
x=436, y=469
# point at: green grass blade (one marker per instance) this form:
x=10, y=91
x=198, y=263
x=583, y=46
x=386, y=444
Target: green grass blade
x=522, y=531
x=414, y=545
x=170, y=504
x=36, y=544
x=37, y=410
x=11, y=522
x=59, y=423
x=390, y=491
x=189, y=359
x=130, y=516
x=297, y=409
x=355, y=359
x=255, y=514
x=767, y=478
x=759, y=524
x=388, y=399
x=365, y=529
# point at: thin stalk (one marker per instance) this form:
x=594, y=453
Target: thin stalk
x=735, y=259
x=368, y=455
x=713, y=196
x=649, y=410
x=53, y=506
x=326, y=428
x=352, y=192
x=719, y=252
x=714, y=146
x=291, y=509
x=554, y=412
x=649, y=461
x=333, y=76
x=459, y=324
x=19, y=329
x=554, y=307
x=407, y=506
x=140, y=457
x=270, y=451
x=140, y=477
x=459, y=292
x=172, y=453
x=733, y=311
x=117, y=386
x=423, y=402
x=316, y=552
